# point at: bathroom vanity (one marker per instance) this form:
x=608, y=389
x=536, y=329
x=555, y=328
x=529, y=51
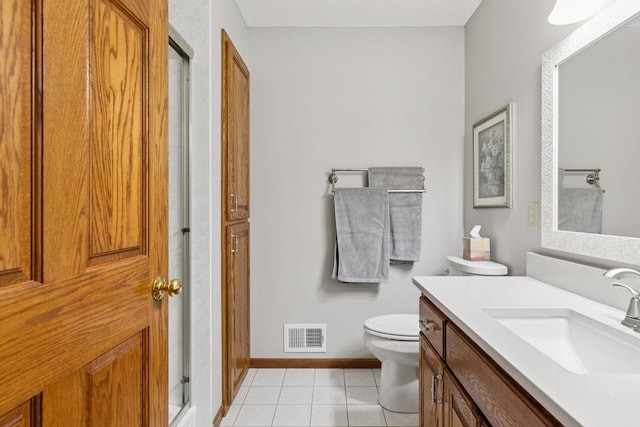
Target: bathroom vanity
x=515, y=351
x=449, y=390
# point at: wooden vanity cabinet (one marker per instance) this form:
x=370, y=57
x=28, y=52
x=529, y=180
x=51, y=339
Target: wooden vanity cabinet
x=443, y=402
x=472, y=389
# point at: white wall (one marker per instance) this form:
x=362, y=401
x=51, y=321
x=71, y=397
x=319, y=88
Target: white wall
x=330, y=98
x=504, y=43
x=199, y=23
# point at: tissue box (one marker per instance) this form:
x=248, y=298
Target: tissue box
x=476, y=249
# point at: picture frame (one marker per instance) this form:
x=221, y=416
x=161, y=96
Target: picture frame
x=492, y=160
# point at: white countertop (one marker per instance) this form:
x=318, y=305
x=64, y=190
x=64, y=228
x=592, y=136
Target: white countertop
x=574, y=399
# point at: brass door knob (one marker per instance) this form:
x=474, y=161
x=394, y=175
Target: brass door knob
x=162, y=287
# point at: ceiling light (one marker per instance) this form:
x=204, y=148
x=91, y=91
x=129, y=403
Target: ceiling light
x=570, y=11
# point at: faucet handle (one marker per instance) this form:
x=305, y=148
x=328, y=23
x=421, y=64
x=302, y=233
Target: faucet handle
x=618, y=273
x=632, y=318
x=635, y=293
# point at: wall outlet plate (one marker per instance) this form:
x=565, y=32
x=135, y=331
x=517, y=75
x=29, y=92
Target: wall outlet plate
x=533, y=215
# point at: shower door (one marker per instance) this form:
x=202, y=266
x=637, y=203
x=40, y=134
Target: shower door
x=179, y=314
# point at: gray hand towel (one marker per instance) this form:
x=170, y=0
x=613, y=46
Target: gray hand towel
x=580, y=209
x=405, y=209
x=362, y=235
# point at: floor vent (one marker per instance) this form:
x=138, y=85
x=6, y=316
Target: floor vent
x=305, y=338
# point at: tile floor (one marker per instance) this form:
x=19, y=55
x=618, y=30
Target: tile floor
x=312, y=397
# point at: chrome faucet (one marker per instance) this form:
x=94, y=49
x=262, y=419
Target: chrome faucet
x=632, y=318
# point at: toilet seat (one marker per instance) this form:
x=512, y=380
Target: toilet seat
x=398, y=327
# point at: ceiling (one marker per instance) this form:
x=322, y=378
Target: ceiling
x=356, y=13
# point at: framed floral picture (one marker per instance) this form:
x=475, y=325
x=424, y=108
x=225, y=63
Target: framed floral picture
x=492, y=160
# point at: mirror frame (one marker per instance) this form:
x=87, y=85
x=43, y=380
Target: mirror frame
x=615, y=248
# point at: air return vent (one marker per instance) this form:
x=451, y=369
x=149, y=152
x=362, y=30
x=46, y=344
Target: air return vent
x=305, y=338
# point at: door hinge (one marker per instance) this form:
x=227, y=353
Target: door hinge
x=184, y=380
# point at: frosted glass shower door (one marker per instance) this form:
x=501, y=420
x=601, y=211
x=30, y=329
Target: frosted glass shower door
x=179, y=316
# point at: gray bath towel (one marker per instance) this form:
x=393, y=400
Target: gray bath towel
x=362, y=235
x=580, y=209
x=405, y=209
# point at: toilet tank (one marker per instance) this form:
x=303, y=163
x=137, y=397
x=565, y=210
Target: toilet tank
x=457, y=266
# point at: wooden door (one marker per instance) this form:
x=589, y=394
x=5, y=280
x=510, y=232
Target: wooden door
x=431, y=382
x=237, y=307
x=235, y=132
x=82, y=212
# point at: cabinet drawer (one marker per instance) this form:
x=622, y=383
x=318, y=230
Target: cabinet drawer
x=502, y=401
x=432, y=325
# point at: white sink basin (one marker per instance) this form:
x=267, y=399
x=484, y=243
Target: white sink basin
x=576, y=342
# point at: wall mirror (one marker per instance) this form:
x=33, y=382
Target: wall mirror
x=591, y=140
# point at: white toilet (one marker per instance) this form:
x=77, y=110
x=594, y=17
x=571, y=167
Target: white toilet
x=393, y=339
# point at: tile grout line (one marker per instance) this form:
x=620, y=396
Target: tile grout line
x=313, y=386
x=346, y=402
x=275, y=410
x=384, y=415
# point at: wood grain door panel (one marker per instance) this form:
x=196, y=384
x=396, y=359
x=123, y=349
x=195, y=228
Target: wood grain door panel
x=237, y=304
x=118, y=152
x=83, y=192
x=99, y=394
x=22, y=416
x=459, y=409
x=239, y=135
x=235, y=132
x=431, y=385
x=16, y=26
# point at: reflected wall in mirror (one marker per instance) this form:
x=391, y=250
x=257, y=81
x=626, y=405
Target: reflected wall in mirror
x=598, y=109
x=590, y=106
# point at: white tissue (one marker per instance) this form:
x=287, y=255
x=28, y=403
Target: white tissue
x=475, y=231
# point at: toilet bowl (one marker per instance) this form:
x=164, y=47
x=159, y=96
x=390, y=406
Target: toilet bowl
x=393, y=339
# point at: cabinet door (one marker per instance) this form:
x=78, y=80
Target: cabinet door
x=237, y=306
x=459, y=409
x=431, y=387
x=235, y=133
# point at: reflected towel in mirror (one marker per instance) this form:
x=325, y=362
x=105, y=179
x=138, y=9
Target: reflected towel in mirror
x=580, y=209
